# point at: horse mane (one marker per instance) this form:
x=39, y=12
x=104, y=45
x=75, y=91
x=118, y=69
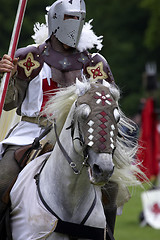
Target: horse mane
x=127, y=170
x=58, y=107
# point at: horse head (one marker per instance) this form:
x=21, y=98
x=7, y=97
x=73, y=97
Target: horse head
x=96, y=117
x=98, y=132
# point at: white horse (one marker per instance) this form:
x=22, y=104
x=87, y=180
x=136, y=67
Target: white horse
x=58, y=195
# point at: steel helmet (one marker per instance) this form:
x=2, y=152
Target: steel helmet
x=66, y=19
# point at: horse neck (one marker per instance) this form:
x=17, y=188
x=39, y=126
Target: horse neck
x=65, y=192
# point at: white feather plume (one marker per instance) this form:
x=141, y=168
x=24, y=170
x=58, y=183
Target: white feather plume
x=88, y=39
x=40, y=33
x=82, y=87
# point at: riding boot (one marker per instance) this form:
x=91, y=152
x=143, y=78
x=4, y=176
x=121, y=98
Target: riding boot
x=9, y=170
x=109, y=195
x=110, y=215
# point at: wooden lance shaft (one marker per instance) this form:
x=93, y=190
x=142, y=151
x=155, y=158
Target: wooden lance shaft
x=12, y=49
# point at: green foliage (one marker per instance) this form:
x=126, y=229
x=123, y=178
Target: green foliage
x=131, y=104
x=35, y=12
x=152, y=33
x=123, y=30
x=7, y=15
x=130, y=30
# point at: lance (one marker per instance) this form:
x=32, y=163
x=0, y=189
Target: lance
x=12, y=48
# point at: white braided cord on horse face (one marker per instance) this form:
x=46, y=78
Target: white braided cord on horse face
x=100, y=126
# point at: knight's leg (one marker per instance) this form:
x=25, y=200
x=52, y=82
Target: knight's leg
x=109, y=195
x=9, y=169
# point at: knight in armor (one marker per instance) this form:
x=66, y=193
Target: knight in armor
x=38, y=69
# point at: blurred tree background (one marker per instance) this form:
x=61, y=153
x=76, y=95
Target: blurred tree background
x=131, y=38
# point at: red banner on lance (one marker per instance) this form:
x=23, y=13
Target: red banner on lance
x=12, y=48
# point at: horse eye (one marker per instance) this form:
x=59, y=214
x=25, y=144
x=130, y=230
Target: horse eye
x=116, y=114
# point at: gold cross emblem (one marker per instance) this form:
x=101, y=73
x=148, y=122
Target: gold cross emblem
x=29, y=64
x=97, y=72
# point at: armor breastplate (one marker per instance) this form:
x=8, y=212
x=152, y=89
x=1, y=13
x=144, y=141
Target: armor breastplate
x=66, y=65
x=65, y=79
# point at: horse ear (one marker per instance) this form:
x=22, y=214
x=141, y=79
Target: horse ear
x=82, y=87
x=116, y=114
x=105, y=83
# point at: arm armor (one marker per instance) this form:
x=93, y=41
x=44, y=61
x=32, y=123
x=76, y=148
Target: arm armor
x=30, y=64
x=97, y=69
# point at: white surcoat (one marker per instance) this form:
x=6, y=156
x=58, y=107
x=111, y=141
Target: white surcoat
x=30, y=220
x=25, y=132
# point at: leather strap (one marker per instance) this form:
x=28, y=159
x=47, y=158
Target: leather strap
x=35, y=145
x=41, y=121
x=72, y=229
x=67, y=157
x=48, y=207
x=80, y=231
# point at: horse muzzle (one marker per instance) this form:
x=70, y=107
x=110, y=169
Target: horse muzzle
x=100, y=168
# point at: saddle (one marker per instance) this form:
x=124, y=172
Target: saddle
x=28, y=153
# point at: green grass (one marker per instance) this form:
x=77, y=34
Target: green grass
x=127, y=225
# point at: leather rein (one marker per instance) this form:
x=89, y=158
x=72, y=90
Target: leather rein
x=67, y=157
x=72, y=229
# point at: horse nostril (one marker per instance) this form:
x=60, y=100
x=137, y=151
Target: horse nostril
x=112, y=170
x=97, y=169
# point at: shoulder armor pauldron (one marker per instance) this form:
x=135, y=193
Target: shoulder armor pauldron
x=30, y=62
x=98, y=69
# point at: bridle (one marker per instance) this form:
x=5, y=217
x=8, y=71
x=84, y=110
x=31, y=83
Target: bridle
x=80, y=229
x=69, y=228
x=65, y=154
